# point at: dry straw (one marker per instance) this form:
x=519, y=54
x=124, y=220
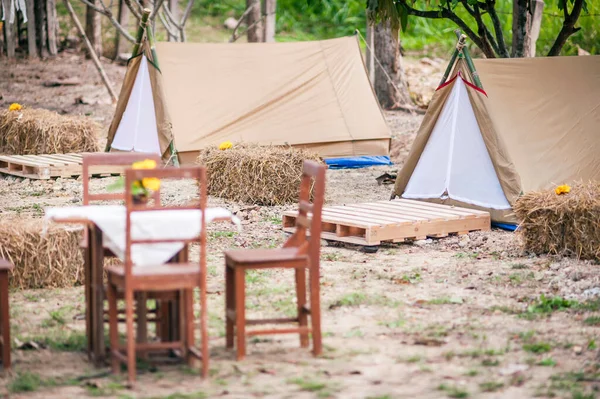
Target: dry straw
x=41, y=260
x=261, y=175
x=567, y=224
x=39, y=131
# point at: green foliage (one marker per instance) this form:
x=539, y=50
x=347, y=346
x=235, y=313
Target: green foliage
x=325, y=19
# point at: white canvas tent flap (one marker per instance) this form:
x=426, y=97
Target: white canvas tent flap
x=455, y=161
x=138, y=130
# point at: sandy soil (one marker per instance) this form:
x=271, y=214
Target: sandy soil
x=454, y=317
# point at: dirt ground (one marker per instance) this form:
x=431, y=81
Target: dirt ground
x=455, y=317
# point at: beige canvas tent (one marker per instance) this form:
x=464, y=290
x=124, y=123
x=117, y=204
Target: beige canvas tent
x=309, y=94
x=535, y=125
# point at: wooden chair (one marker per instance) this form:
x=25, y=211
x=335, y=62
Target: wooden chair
x=124, y=160
x=298, y=253
x=184, y=277
x=5, y=267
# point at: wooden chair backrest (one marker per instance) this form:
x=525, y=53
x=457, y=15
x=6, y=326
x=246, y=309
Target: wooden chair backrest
x=113, y=159
x=313, y=176
x=197, y=173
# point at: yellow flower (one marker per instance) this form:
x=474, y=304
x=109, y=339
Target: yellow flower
x=225, y=145
x=15, y=107
x=564, y=189
x=151, y=183
x=145, y=164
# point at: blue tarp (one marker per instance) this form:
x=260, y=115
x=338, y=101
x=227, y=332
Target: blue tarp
x=358, y=162
x=504, y=226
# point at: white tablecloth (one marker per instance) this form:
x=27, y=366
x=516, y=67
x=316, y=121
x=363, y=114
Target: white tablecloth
x=171, y=224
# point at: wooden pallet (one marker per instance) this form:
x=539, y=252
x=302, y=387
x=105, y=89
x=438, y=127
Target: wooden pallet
x=394, y=221
x=51, y=165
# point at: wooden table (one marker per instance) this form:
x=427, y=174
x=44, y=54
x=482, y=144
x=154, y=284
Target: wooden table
x=94, y=293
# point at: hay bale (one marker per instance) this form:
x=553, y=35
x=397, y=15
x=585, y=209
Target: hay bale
x=567, y=224
x=41, y=261
x=261, y=175
x=39, y=131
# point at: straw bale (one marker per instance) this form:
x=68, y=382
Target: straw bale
x=261, y=175
x=39, y=131
x=41, y=260
x=567, y=224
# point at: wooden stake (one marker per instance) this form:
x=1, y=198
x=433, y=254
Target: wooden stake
x=91, y=51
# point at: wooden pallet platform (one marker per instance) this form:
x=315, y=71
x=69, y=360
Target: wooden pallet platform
x=398, y=220
x=51, y=165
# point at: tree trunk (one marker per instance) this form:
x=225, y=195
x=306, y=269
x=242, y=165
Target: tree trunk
x=40, y=27
x=255, y=29
x=52, y=26
x=32, y=48
x=9, y=31
x=93, y=28
x=390, y=82
x=534, y=23
x=370, y=60
x=123, y=18
x=174, y=8
x=269, y=9
x=519, y=27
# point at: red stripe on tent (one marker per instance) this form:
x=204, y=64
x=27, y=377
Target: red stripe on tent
x=447, y=83
x=471, y=85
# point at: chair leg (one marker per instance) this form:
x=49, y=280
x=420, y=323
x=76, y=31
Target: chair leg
x=240, y=311
x=188, y=324
x=204, y=330
x=141, y=311
x=131, y=371
x=229, y=306
x=301, y=299
x=113, y=327
x=315, y=313
x=5, y=320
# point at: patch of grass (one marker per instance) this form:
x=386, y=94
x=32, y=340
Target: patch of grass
x=25, y=382
x=193, y=395
x=445, y=301
x=572, y=382
x=358, y=298
x=31, y=297
x=449, y=355
x=537, y=347
x=463, y=255
x=399, y=322
x=453, y=391
x=109, y=389
x=547, y=362
x=414, y=359
x=68, y=342
x=592, y=321
x=355, y=332
x=491, y=386
x=519, y=266
x=57, y=318
x=331, y=257
x=221, y=234
x=308, y=385
x=412, y=278
x=490, y=362
x=546, y=305
x=592, y=344
x=472, y=373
